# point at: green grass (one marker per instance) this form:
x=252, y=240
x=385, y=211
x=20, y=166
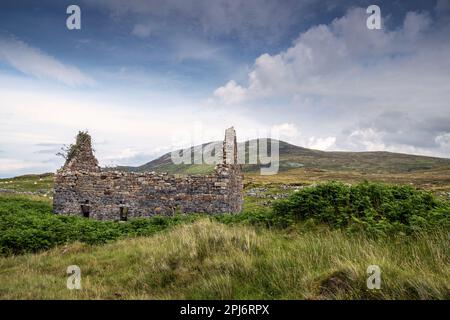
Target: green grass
x=42, y=184
x=210, y=260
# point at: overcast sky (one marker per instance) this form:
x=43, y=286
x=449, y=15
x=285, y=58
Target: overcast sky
x=145, y=77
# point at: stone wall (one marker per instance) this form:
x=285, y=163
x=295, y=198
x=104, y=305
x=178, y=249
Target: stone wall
x=82, y=188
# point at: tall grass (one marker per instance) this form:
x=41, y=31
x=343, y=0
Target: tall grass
x=210, y=260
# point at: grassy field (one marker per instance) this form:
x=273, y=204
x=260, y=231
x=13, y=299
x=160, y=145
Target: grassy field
x=248, y=256
x=210, y=260
x=41, y=184
x=244, y=256
x=437, y=180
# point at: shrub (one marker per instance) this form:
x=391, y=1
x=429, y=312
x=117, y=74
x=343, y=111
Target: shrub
x=68, y=152
x=372, y=207
x=28, y=225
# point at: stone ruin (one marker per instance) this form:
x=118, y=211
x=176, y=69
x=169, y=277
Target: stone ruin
x=83, y=188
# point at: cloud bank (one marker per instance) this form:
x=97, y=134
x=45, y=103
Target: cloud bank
x=372, y=89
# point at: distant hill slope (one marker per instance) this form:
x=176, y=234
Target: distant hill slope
x=292, y=156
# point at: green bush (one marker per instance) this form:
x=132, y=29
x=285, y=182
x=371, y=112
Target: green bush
x=372, y=207
x=28, y=225
x=258, y=216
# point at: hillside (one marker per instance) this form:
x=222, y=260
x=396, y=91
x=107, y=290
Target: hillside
x=38, y=184
x=293, y=157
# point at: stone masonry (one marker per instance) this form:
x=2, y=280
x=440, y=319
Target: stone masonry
x=83, y=188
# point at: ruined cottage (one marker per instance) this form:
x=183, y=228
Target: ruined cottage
x=83, y=188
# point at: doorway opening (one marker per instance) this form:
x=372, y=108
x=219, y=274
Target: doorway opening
x=86, y=209
x=123, y=212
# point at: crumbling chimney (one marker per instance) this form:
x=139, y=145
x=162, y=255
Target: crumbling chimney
x=80, y=156
x=230, y=147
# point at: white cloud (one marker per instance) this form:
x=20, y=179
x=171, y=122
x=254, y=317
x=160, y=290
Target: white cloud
x=326, y=143
x=370, y=139
x=416, y=23
x=337, y=79
x=443, y=140
x=366, y=139
x=286, y=130
x=329, y=58
x=32, y=61
x=290, y=133
x=230, y=93
x=8, y=165
x=125, y=153
x=131, y=131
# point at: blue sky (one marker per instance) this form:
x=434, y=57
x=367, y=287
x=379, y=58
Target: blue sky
x=145, y=77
